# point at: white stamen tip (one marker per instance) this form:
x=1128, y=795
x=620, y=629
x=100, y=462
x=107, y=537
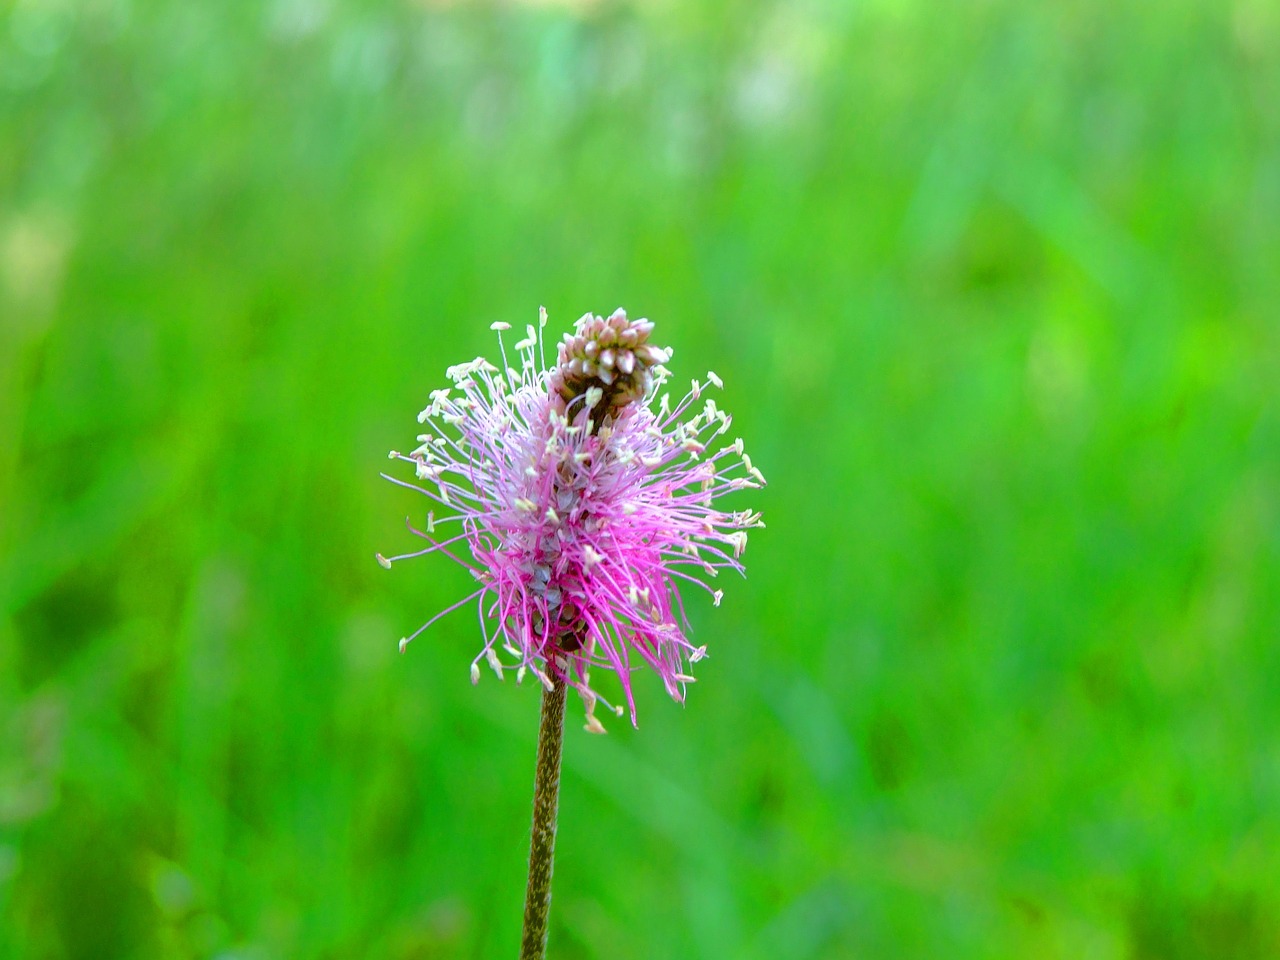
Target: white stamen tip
x=383, y=562
x=499, y=325
x=475, y=673
x=594, y=726
x=717, y=597
x=494, y=663
x=404, y=642
x=711, y=375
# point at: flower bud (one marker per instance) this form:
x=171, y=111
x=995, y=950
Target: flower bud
x=611, y=355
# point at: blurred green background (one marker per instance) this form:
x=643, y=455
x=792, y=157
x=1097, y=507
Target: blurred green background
x=995, y=291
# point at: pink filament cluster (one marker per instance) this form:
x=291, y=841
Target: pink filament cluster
x=580, y=532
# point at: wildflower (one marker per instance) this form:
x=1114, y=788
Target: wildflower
x=585, y=498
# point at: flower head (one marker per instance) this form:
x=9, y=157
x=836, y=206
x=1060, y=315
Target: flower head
x=586, y=499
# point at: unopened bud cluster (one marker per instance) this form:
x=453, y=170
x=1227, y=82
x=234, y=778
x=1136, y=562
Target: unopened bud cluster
x=612, y=355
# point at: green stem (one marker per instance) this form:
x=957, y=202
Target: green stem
x=546, y=799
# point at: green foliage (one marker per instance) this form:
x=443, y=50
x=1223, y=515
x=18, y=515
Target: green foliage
x=993, y=290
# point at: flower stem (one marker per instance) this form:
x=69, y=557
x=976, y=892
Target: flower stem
x=546, y=798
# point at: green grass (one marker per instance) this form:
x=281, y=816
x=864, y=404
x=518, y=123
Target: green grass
x=993, y=288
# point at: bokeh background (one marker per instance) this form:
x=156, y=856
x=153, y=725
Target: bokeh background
x=994, y=291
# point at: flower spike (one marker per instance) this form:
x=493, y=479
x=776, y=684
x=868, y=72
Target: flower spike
x=585, y=504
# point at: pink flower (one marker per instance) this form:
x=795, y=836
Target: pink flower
x=586, y=500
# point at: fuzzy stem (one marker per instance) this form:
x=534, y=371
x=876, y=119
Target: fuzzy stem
x=546, y=797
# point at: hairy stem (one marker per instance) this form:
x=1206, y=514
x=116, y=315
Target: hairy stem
x=546, y=799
